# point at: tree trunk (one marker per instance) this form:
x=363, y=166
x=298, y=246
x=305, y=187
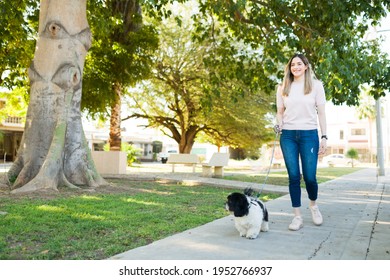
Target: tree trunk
x=115, y=120
x=54, y=150
x=187, y=140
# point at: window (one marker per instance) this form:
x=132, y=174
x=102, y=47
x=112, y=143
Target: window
x=145, y=148
x=341, y=134
x=358, y=131
x=157, y=147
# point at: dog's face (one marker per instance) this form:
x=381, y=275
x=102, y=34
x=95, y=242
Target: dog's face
x=238, y=204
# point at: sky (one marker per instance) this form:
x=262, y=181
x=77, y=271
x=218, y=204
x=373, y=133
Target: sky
x=384, y=30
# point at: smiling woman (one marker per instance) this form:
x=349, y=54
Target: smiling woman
x=300, y=112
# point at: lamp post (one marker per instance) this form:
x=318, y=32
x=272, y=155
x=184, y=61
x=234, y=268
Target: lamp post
x=379, y=146
x=379, y=136
x=380, y=149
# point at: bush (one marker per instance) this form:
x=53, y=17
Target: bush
x=352, y=154
x=132, y=152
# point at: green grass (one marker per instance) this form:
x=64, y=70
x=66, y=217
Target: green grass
x=98, y=225
x=281, y=178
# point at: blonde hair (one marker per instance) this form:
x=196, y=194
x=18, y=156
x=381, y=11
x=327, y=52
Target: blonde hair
x=289, y=77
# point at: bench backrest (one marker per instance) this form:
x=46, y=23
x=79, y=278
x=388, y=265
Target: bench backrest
x=219, y=159
x=183, y=158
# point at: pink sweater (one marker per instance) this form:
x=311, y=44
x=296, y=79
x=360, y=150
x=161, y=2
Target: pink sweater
x=301, y=110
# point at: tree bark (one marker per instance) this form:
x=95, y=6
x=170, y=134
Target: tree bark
x=115, y=120
x=54, y=150
x=187, y=139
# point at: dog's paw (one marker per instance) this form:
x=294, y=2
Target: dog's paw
x=253, y=236
x=243, y=234
x=264, y=227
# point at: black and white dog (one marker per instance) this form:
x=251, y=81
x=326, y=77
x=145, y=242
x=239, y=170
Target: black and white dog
x=250, y=213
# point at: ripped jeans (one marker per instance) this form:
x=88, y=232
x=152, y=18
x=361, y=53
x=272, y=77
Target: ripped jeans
x=303, y=144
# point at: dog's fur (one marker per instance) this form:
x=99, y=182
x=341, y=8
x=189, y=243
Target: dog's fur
x=250, y=213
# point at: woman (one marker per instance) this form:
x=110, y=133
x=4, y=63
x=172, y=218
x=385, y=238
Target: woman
x=300, y=99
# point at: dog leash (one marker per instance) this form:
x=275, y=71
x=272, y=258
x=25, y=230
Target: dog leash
x=277, y=132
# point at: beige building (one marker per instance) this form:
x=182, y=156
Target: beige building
x=11, y=131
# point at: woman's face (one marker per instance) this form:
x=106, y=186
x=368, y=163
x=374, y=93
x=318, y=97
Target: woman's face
x=297, y=68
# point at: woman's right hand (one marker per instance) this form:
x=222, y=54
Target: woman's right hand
x=277, y=129
x=323, y=147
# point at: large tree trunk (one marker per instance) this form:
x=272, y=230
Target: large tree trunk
x=54, y=150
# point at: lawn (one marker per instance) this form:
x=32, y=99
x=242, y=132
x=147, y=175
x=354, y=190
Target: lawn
x=97, y=225
x=281, y=178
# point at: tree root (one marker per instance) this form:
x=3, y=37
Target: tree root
x=38, y=183
x=68, y=184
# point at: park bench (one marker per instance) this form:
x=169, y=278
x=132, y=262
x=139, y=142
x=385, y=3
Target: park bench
x=187, y=159
x=276, y=164
x=218, y=161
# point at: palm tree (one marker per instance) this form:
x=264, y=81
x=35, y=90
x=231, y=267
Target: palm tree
x=366, y=110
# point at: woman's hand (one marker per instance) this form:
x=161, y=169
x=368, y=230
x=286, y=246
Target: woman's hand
x=277, y=129
x=323, y=147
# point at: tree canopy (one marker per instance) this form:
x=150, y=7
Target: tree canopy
x=121, y=51
x=119, y=57
x=335, y=47
x=18, y=24
x=330, y=33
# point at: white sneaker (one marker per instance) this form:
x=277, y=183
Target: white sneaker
x=316, y=215
x=296, y=224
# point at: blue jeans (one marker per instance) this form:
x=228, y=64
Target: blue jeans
x=302, y=144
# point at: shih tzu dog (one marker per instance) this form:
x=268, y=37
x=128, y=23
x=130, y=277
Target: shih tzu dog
x=250, y=213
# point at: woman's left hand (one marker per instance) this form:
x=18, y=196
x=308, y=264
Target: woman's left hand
x=322, y=149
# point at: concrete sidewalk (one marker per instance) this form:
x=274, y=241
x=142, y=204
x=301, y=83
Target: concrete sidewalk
x=356, y=211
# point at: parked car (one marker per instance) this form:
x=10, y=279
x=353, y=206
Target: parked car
x=163, y=157
x=338, y=159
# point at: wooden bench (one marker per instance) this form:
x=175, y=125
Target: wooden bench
x=218, y=161
x=276, y=164
x=183, y=159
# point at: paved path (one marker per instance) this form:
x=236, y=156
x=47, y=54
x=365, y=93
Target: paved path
x=356, y=210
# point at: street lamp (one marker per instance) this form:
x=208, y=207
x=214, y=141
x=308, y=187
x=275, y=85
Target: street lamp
x=379, y=137
x=380, y=151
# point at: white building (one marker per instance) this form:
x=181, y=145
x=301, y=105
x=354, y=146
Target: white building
x=346, y=131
